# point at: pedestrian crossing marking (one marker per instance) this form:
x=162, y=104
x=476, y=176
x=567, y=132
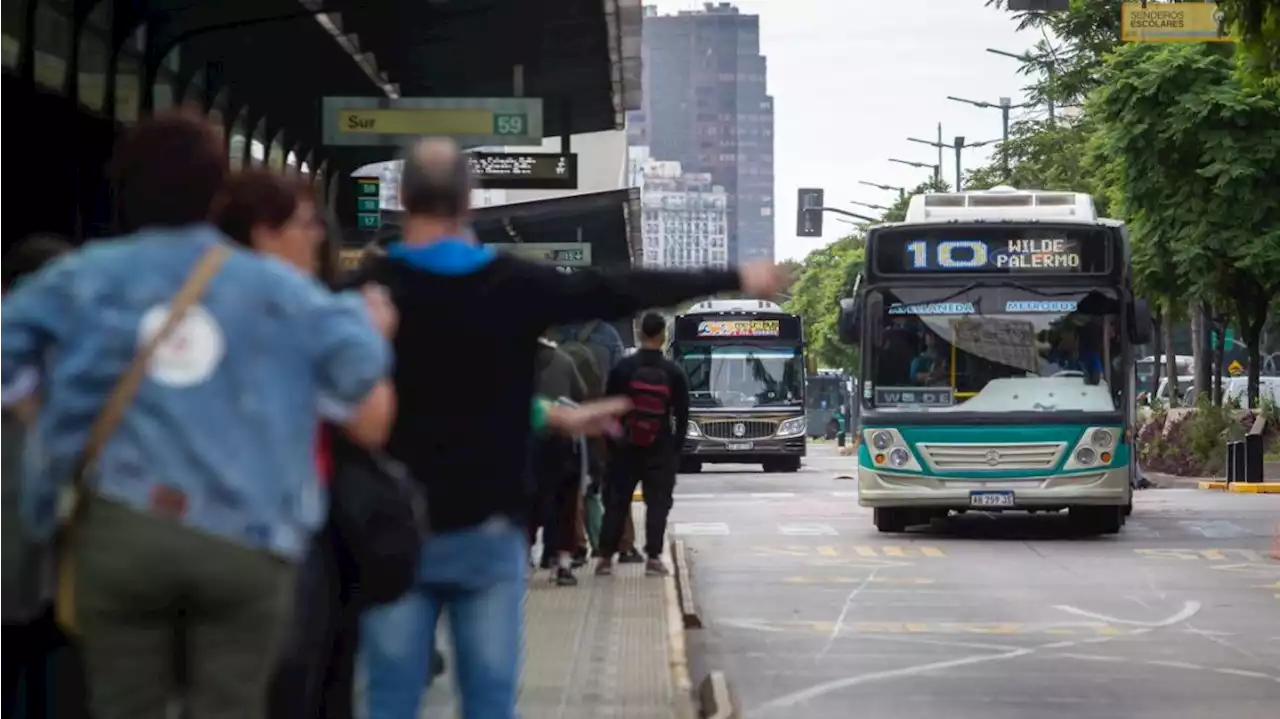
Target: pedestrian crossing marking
x=806, y=529
x=701, y=528
x=1209, y=555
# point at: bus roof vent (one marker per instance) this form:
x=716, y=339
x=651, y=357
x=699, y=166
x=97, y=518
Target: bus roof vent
x=1001, y=203
x=735, y=306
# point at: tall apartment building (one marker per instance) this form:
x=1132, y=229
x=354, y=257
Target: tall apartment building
x=684, y=214
x=706, y=106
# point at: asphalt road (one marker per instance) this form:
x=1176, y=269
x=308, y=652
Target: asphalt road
x=813, y=613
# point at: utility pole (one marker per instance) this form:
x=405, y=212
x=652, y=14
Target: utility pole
x=937, y=169
x=958, y=145
x=902, y=191
x=1049, y=66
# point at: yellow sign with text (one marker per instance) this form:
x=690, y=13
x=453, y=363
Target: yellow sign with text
x=1172, y=22
x=415, y=122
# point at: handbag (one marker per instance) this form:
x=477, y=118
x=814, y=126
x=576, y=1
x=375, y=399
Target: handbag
x=379, y=512
x=76, y=502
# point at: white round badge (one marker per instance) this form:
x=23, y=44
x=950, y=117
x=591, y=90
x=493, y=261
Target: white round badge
x=191, y=352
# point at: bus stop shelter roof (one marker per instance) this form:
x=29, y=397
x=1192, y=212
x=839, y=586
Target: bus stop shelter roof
x=278, y=58
x=602, y=219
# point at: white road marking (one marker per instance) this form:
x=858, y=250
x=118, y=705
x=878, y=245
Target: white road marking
x=1244, y=673
x=758, y=625
x=845, y=495
x=695, y=495
x=807, y=529
x=1188, y=610
x=1174, y=665
x=772, y=495
x=702, y=528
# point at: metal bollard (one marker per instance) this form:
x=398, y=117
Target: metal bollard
x=1235, y=461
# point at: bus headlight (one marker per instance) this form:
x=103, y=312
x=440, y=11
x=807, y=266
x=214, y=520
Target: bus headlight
x=693, y=432
x=1086, y=456
x=899, y=457
x=1103, y=439
x=881, y=440
x=1096, y=449
x=793, y=427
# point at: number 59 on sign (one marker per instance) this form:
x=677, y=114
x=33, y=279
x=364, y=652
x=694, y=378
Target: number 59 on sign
x=509, y=123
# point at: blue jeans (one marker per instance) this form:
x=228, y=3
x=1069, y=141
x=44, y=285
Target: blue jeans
x=478, y=576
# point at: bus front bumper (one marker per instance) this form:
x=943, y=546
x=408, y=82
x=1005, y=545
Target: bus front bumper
x=878, y=488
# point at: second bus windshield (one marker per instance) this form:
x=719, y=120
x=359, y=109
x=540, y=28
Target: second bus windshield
x=995, y=349
x=742, y=375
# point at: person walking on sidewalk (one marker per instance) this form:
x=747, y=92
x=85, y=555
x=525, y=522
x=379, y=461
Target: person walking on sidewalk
x=467, y=311
x=647, y=453
x=558, y=469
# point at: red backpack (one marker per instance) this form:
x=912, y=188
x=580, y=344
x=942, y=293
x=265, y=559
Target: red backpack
x=650, y=417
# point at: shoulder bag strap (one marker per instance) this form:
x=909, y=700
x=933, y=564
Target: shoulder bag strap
x=126, y=388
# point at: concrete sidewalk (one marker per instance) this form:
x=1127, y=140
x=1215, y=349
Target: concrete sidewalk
x=611, y=647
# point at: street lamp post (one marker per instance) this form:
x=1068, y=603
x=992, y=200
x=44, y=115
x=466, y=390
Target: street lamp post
x=902, y=191
x=936, y=169
x=958, y=145
x=1005, y=106
x=1049, y=66
x=882, y=208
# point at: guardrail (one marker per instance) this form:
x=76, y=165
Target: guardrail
x=1244, y=456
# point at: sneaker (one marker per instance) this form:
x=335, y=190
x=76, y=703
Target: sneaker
x=631, y=557
x=579, y=559
x=604, y=568
x=655, y=568
x=564, y=578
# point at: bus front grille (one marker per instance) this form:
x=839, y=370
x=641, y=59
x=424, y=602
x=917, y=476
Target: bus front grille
x=1037, y=456
x=730, y=428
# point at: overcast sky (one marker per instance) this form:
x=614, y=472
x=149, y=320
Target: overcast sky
x=852, y=79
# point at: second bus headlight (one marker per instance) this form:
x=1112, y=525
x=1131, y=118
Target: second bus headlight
x=793, y=427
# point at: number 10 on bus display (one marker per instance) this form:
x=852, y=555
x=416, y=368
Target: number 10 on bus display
x=949, y=255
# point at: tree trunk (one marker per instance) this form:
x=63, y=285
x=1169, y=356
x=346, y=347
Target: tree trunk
x=1252, y=329
x=1219, y=360
x=1159, y=320
x=1197, y=348
x=1170, y=361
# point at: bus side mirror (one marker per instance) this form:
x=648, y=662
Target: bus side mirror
x=1142, y=329
x=849, y=323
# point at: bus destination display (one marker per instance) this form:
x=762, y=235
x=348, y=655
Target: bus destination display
x=739, y=328
x=1032, y=252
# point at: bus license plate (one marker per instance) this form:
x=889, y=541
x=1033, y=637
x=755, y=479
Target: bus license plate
x=740, y=446
x=991, y=499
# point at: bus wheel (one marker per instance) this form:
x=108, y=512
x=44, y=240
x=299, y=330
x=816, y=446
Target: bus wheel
x=890, y=519
x=782, y=464
x=1097, y=519
x=690, y=466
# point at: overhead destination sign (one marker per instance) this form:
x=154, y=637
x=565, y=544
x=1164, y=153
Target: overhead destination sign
x=471, y=121
x=739, y=328
x=525, y=170
x=1172, y=22
x=992, y=251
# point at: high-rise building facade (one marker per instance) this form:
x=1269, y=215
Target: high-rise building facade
x=684, y=214
x=707, y=107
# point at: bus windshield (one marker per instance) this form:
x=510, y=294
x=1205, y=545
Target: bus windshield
x=994, y=348
x=742, y=375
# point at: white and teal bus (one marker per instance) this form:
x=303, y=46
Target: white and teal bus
x=997, y=331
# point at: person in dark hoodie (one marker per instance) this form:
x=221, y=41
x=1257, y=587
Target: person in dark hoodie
x=467, y=311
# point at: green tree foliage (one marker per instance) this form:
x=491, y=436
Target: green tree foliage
x=1190, y=156
x=828, y=275
x=1257, y=24
x=1041, y=155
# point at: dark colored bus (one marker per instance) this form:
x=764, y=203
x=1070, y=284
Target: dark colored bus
x=746, y=368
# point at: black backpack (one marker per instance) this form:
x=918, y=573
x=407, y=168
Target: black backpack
x=650, y=417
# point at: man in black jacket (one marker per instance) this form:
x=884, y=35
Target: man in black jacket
x=470, y=320
x=647, y=453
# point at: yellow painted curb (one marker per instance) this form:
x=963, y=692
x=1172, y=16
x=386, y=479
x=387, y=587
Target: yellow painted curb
x=1255, y=488
x=678, y=653
x=1215, y=485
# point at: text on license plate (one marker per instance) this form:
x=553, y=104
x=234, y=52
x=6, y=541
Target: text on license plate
x=740, y=446
x=991, y=499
